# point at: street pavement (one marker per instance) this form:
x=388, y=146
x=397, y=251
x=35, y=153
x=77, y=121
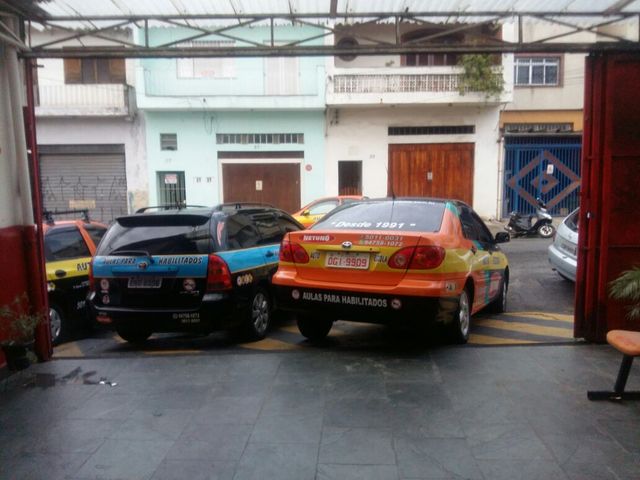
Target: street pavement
x=373, y=402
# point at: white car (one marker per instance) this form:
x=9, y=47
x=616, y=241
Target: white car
x=563, y=252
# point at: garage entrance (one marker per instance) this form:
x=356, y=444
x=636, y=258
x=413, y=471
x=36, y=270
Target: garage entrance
x=277, y=184
x=73, y=179
x=431, y=170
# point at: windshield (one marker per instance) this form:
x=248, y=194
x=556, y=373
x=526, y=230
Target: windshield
x=403, y=215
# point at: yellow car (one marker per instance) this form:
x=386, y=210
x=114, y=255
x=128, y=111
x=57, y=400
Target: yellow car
x=311, y=213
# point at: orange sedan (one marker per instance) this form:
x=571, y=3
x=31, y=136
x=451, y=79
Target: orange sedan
x=421, y=261
x=311, y=213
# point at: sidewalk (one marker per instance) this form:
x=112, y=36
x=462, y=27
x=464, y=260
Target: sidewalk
x=447, y=412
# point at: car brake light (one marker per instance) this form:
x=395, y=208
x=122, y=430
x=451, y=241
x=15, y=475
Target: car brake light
x=218, y=274
x=92, y=281
x=417, y=258
x=292, y=252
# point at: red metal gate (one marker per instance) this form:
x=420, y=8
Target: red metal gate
x=609, y=241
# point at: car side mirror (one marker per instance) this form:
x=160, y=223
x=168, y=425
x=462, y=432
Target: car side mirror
x=305, y=213
x=502, y=237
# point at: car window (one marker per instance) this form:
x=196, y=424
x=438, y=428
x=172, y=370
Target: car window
x=96, y=232
x=468, y=226
x=404, y=215
x=241, y=232
x=287, y=225
x=268, y=227
x=156, y=238
x=484, y=235
x=322, y=208
x=64, y=244
x=573, y=220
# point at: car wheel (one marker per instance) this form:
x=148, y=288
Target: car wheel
x=499, y=305
x=59, y=324
x=546, y=231
x=458, y=328
x=314, y=328
x=258, y=315
x=134, y=334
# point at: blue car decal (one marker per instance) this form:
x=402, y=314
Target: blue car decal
x=250, y=258
x=187, y=266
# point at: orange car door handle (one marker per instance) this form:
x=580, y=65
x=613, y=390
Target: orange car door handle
x=473, y=249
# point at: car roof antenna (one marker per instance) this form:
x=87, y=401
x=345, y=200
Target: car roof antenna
x=393, y=193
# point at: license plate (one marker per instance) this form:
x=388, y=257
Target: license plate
x=355, y=260
x=567, y=247
x=145, y=282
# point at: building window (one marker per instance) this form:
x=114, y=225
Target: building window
x=537, y=71
x=221, y=67
x=268, y=138
x=94, y=70
x=168, y=141
x=171, y=189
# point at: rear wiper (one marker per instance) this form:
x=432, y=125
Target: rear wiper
x=131, y=252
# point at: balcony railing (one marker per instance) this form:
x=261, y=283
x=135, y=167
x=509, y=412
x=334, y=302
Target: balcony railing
x=85, y=100
x=395, y=83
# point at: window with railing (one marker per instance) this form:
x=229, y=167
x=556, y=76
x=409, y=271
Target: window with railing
x=537, y=71
x=94, y=70
x=269, y=138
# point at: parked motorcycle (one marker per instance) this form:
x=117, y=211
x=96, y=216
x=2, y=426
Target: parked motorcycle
x=521, y=225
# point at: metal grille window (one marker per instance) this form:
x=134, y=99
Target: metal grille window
x=537, y=70
x=433, y=130
x=171, y=189
x=269, y=138
x=168, y=141
x=538, y=127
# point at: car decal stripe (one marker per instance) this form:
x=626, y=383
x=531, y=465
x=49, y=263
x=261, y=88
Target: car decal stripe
x=187, y=266
x=76, y=267
x=248, y=259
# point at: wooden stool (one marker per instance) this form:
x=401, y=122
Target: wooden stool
x=628, y=343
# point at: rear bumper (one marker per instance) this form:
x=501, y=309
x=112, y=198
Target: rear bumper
x=217, y=311
x=356, y=306
x=562, y=263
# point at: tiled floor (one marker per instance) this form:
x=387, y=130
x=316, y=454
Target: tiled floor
x=446, y=413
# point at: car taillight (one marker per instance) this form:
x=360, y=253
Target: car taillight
x=218, y=274
x=292, y=252
x=92, y=281
x=417, y=258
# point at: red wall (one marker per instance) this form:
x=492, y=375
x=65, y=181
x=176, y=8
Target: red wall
x=609, y=240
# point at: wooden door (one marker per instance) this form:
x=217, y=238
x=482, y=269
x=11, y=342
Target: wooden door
x=439, y=170
x=277, y=184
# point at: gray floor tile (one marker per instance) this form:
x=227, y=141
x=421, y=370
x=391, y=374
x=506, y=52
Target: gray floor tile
x=435, y=458
x=75, y=436
x=231, y=410
x=427, y=422
x=125, y=459
x=288, y=429
x=162, y=424
x=356, y=386
x=282, y=461
x=371, y=412
x=42, y=466
x=357, y=472
x=593, y=448
x=506, y=442
x=202, y=441
x=626, y=432
x=363, y=446
x=296, y=400
x=539, y=469
x=194, y=470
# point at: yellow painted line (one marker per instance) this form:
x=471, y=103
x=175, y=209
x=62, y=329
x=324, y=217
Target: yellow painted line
x=68, y=350
x=526, y=328
x=118, y=339
x=290, y=329
x=171, y=352
x=270, y=344
x=487, y=340
x=559, y=317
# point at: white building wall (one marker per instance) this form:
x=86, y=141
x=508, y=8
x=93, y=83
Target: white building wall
x=362, y=134
x=87, y=131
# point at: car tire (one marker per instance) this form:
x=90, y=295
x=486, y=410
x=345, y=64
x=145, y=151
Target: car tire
x=460, y=325
x=546, y=231
x=499, y=305
x=259, y=314
x=313, y=327
x=134, y=334
x=60, y=328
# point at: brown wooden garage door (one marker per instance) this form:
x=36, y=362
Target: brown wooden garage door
x=275, y=183
x=443, y=170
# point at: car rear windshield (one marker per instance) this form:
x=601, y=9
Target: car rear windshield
x=572, y=221
x=404, y=215
x=158, y=235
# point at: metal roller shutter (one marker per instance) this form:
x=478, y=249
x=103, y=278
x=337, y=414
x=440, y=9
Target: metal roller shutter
x=95, y=182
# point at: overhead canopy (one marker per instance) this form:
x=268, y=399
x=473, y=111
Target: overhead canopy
x=581, y=25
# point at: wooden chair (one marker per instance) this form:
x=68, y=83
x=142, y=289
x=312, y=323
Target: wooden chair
x=628, y=343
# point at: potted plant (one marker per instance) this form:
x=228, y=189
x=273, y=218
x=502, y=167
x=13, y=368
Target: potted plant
x=627, y=288
x=18, y=324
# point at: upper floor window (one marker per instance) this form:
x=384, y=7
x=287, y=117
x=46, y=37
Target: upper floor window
x=430, y=59
x=533, y=71
x=94, y=70
x=209, y=67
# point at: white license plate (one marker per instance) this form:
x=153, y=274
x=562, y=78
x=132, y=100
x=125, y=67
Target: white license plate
x=569, y=248
x=355, y=260
x=145, y=282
